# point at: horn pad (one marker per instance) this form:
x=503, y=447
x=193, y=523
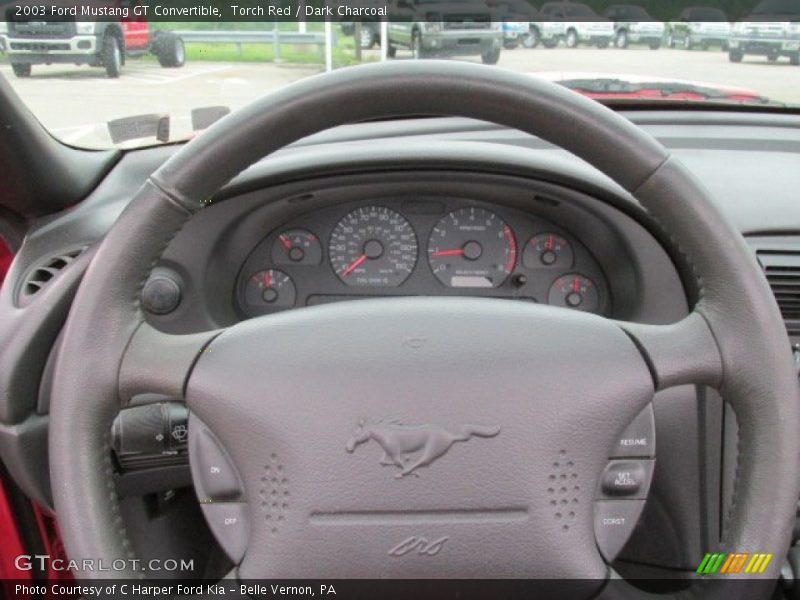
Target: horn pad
x=423, y=437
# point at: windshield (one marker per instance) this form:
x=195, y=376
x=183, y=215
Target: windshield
x=130, y=73
x=578, y=10
x=707, y=15
x=632, y=12
x=778, y=7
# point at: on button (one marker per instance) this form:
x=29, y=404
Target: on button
x=215, y=476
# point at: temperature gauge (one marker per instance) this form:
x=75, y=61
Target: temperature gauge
x=574, y=291
x=297, y=247
x=270, y=288
x=547, y=250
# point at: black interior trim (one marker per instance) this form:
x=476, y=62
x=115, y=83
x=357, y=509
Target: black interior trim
x=41, y=174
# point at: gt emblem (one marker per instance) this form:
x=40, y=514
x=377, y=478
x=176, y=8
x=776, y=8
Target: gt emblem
x=399, y=441
x=420, y=545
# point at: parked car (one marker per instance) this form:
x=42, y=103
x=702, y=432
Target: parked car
x=30, y=41
x=634, y=25
x=699, y=26
x=513, y=23
x=534, y=37
x=433, y=28
x=513, y=33
x=516, y=17
x=771, y=30
x=575, y=24
x=370, y=33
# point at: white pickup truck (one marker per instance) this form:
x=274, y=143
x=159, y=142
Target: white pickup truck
x=771, y=30
x=435, y=28
x=699, y=27
x=575, y=24
x=634, y=25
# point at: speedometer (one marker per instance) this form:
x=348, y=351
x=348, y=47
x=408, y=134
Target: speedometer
x=472, y=247
x=373, y=246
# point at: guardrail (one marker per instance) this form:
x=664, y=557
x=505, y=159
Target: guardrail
x=274, y=37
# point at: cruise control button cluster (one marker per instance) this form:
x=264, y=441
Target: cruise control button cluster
x=624, y=485
x=219, y=488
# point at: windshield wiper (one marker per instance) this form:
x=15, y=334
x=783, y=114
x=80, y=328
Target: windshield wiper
x=662, y=90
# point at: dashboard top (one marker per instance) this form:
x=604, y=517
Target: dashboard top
x=726, y=150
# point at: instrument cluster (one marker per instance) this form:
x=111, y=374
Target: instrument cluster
x=413, y=247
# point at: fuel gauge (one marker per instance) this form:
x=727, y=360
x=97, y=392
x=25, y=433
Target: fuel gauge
x=297, y=247
x=270, y=288
x=574, y=291
x=547, y=250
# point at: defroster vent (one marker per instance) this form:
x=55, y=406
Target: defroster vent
x=41, y=275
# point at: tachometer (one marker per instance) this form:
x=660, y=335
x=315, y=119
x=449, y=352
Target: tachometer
x=373, y=246
x=472, y=247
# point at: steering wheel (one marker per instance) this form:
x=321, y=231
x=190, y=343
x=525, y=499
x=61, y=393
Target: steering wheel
x=532, y=385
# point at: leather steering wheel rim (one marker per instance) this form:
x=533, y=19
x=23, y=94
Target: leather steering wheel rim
x=734, y=340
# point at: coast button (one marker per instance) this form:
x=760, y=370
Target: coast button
x=614, y=521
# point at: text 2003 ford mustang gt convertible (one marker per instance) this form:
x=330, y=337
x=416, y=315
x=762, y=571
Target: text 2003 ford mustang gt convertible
x=422, y=320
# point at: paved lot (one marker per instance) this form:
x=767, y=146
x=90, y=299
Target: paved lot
x=76, y=102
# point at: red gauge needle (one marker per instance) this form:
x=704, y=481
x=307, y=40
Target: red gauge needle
x=453, y=252
x=354, y=265
x=286, y=242
x=267, y=280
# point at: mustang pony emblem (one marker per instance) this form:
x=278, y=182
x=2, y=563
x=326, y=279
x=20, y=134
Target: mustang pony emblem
x=399, y=441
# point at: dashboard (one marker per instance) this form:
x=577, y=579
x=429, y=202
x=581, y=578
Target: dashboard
x=417, y=246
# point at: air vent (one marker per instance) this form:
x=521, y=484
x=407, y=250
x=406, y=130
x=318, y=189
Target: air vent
x=782, y=269
x=46, y=271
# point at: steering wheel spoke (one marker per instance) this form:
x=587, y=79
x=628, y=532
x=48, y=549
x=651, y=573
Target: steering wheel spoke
x=680, y=353
x=159, y=364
